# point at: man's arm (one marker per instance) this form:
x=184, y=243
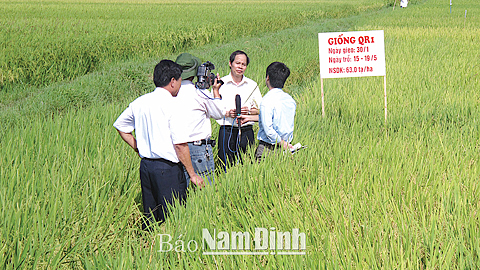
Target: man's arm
x=248, y=118
x=214, y=107
x=129, y=139
x=216, y=87
x=183, y=153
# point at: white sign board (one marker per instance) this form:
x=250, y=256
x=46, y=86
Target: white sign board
x=352, y=54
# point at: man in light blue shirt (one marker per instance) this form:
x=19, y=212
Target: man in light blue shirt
x=277, y=113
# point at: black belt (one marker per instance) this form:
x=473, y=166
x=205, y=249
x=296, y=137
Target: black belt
x=249, y=127
x=203, y=142
x=269, y=145
x=171, y=163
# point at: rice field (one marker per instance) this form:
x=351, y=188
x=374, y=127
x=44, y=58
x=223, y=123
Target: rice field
x=367, y=194
x=49, y=41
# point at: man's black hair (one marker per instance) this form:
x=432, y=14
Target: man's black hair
x=277, y=73
x=165, y=71
x=235, y=53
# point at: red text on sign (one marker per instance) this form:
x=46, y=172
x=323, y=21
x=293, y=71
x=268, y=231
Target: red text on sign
x=341, y=40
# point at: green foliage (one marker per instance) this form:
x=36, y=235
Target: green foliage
x=45, y=42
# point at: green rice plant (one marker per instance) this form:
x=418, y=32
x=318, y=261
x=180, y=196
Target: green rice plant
x=45, y=42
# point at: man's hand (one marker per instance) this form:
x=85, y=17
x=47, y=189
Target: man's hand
x=183, y=154
x=254, y=111
x=286, y=145
x=248, y=118
x=233, y=112
x=216, y=86
x=197, y=180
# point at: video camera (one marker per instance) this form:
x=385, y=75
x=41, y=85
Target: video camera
x=205, y=78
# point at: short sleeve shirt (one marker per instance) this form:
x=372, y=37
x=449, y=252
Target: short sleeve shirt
x=151, y=117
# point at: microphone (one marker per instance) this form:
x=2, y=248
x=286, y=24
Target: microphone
x=238, y=107
x=238, y=111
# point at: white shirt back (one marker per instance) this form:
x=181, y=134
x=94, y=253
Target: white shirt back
x=194, y=109
x=150, y=116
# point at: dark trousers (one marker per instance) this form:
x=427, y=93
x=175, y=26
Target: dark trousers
x=228, y=146
x=162, y=182
x=264, y=149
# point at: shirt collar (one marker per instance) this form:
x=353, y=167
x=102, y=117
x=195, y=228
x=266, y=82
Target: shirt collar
x=229, y=79
x=275, y=90
x=162, y=91
x=187, y=82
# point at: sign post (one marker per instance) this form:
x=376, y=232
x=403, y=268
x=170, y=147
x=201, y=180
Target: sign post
x=352, y=54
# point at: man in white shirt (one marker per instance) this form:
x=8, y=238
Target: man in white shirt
x=195, y=108
x=160, y=142
x=236, y=83
x=277, y=113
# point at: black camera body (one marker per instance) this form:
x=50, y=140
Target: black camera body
x=205, y=78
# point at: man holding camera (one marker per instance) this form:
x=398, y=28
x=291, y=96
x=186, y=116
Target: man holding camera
x=160, y=142
x=197, y=107
x=250, y=98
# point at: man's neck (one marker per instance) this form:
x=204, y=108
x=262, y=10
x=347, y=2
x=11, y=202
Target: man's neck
x=236, y=78
x=269, y=86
